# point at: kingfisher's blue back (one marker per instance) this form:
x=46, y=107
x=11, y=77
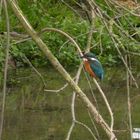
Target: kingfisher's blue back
x=97, y=68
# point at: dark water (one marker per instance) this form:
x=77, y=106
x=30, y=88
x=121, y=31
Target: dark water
x=33, y=114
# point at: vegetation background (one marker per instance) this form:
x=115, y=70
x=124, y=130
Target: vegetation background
x=120, y=21
x=57, y=14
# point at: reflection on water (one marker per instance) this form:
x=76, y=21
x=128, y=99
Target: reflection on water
x=32, y=114
x=34, y=125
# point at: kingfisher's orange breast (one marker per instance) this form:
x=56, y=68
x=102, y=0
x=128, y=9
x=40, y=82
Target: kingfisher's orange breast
x=88, y=68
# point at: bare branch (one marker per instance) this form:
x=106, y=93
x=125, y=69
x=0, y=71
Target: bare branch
x=60, y=68
x=96, y=130
x=66, y=35
x=5, y=68
x=37, y=72
x=87, y=129
x=73, y=103
x=133, y=53
x=107, y=104
x=58, y=90
x=74, y=93
x=71, y=8
x=128, y=101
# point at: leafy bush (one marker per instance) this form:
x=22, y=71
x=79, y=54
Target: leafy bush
x=53, y=13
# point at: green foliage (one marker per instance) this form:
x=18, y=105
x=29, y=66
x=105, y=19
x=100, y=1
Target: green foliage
x=53, y=13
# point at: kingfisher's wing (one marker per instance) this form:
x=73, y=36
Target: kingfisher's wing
x=97, y=68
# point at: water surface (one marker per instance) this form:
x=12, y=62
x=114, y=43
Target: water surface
x=33, y=114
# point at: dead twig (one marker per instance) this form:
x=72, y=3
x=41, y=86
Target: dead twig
x=5, y=67
x=58, y=90
x=74, y=121
x=36, y=71
x=128, y=100
x=59, y=67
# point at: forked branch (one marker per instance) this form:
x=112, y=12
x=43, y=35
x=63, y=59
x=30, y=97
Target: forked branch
x=60, y=68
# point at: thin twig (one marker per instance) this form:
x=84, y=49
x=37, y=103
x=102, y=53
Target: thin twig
x=58, y=90
x=73, y=110
x=98, y=86
x=90, y=34
x=74, y=93
x=96, y=130
x=71, y=8
x=5, y=68
x=73, y=104
x=101, y=46
x=88, y=47
x=128, y=101
x=66, y=35
x=107, y=104
x=37, y=72
x=91, y=89
x=85, y=126
x=133, y=53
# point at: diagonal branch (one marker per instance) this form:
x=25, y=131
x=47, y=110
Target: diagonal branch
x=17, y=11
x=5, y=68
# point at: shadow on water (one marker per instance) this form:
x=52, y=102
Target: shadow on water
x=33, y=114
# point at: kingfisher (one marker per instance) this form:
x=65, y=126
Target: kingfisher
x=92, y=65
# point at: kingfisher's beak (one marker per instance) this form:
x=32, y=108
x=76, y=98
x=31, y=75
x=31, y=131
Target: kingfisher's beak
x=82, y=56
